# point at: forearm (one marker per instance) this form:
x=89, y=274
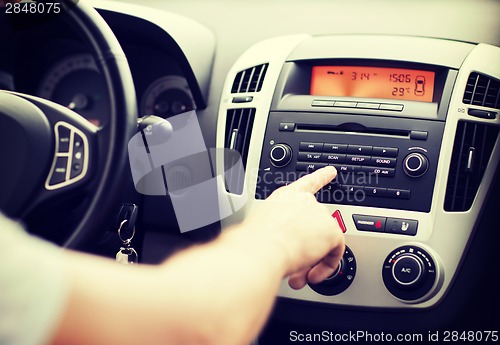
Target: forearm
x=235, y=284
x=221, y=292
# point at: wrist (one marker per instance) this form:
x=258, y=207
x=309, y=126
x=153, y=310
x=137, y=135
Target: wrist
x=267, y=244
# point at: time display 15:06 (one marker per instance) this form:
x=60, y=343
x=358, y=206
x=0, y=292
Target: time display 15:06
x=373, y=82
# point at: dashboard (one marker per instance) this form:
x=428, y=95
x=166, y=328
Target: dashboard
x=409, y=114
x=414, y=138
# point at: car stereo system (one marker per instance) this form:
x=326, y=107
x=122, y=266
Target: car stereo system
x=406, y=130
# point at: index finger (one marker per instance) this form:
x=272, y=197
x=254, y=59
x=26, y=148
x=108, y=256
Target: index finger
x=314, y=182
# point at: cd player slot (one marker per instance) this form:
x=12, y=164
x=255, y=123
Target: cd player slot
x=353, y=129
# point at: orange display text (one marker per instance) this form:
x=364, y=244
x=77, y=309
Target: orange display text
x=373, y=82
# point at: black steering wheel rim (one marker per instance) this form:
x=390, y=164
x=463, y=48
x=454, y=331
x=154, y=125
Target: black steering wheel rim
x=122, y=120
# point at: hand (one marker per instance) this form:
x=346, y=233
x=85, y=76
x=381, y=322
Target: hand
x=311, y=237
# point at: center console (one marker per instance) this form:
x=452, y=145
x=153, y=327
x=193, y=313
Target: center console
x=411, y=125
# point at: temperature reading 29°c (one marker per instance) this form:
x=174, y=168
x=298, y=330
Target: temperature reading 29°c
x=373, y=82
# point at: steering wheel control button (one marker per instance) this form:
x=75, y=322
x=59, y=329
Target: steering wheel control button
x=409, y=273
x=280, y=155
x=59, y=171
x=341, y=278
x=369, y=223
x=415, y=164
x=407, y=270
x=401, y=226
x=71, y=160
x=340, y=221
x=63, y=139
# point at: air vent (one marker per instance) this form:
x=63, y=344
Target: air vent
x=250, y=80
x=471, y=152
x=239, y=125
x=482, y=90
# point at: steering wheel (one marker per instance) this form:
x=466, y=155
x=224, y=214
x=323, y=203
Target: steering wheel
x=48, y=152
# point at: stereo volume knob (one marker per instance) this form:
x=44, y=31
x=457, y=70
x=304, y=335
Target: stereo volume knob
x=280, y=155
x=415, y=164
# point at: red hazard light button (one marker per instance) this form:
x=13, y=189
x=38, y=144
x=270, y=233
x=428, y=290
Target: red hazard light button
x=339, y=219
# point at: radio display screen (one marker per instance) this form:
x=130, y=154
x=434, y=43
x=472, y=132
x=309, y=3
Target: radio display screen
x=373, y=82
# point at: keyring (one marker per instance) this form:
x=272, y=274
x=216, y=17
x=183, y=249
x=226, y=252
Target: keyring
x=128, y=240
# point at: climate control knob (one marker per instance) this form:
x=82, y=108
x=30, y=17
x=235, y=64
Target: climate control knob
x=280, y=155
x=409, y=273
x=341, y=279
x=415, y=164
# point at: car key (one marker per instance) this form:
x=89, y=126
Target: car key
x=126, y=254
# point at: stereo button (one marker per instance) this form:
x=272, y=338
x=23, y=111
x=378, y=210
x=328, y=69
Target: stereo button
x=309, y=167
x=383, y=162
x=398, y=193
x=385, y=151
x=287, y=127
x=335, y=148
x=385, y=172
x=359, y=160
x=307, y=146
x=376, y=191
x=332, y=158
x=359, y=149
x=309, y=156
x=346, y=169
